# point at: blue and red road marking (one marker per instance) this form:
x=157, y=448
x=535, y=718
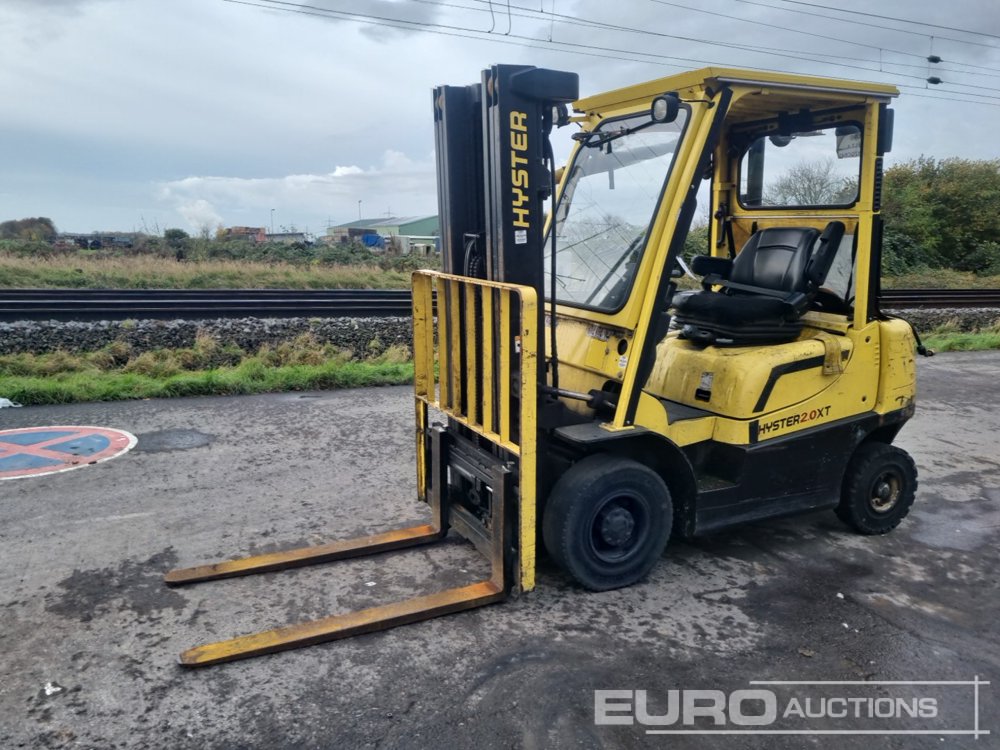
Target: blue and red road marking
x=34, y=451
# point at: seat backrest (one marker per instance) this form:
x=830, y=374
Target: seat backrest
x=777, y=258
x=822, y=257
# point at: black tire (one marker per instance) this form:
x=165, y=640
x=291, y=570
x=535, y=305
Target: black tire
x=879, y=487
x=607, y=521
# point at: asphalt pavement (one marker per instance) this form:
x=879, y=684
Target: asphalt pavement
x=89, y=635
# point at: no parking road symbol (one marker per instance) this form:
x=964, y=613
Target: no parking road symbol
x=34, y=451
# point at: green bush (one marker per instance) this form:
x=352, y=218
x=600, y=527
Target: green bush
x=942, y=214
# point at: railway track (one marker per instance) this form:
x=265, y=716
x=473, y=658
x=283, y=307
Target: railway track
x=940, y=298
x=122, y=304
x=200, y=304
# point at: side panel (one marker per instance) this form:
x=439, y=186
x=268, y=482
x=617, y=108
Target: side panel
x=784, y=476
x=898, y=372
x=751, y=382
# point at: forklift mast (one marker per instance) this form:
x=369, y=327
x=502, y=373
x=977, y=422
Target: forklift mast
x=493, y=175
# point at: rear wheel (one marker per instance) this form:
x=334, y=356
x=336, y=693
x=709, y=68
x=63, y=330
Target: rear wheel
x=879, y=487
x=607, y=521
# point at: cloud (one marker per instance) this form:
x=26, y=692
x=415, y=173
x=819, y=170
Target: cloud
x=113, y=102
x=398, y=181
x=51, y=6
x=406, y=17
x=36, y=22
x=199, y=214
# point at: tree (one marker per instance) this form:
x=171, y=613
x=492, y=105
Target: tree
x=40, y=229
x=177, y=240
x=811, y=183
x=176, y=237
x=696, y=242
x=943, y=213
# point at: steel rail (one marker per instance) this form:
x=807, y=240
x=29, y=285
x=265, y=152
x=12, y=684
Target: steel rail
x=202, y=304
x=199, y=304
x=939, y=298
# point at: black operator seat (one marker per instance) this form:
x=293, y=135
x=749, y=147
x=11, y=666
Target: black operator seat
x=765, y=289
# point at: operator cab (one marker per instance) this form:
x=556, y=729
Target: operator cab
x=792, y=170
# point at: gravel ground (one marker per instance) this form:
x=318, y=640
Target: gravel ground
x=359, y=335
x=89, y=634
x=362, y=336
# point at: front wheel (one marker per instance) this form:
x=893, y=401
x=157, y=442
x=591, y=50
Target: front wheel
x=607, y=521
x=879, y=487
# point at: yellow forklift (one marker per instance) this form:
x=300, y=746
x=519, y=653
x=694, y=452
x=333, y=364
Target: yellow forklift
x=591, y=406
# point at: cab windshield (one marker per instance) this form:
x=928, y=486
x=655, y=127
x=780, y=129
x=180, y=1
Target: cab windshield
x=607, y=206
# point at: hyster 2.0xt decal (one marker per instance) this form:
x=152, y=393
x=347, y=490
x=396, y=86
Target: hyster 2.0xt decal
x=792, y=419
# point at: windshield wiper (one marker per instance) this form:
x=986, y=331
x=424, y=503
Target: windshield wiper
x=596, y=138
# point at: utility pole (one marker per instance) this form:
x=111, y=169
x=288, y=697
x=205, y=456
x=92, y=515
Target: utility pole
x=272, y=221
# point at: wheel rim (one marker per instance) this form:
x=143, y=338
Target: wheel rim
x=619, y=526
x=886, y=490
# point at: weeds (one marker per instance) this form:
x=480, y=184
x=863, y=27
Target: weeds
x=949, y=337
x=151, y=272
x=940, y=278
x=207, y=368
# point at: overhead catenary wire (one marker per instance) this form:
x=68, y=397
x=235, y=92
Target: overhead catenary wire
x=576, y=20
x=571, y=20
x=525, y=41
x=871, y=25
x=351, y=14
x=465, y=32
x=890, y=18
x=800, y=31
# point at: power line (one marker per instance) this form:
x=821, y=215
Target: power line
x=792, y=54
x=480, y=35
x=961, y=93
x=452, y=30
x=893, y=18
x=541, y=14
x=474, y=34
x=883, y=63
x=810, y=34
x=923, y=34
x=946, y=98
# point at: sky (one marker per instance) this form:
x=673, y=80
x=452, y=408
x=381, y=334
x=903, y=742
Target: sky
x=142, y=115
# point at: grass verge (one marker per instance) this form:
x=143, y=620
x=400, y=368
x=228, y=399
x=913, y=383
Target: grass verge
x=962, y=342
x=244, y=379
x=150, y=272
x=40, y=267
x=940, y=278
x=951, y=338
x=206, y=369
